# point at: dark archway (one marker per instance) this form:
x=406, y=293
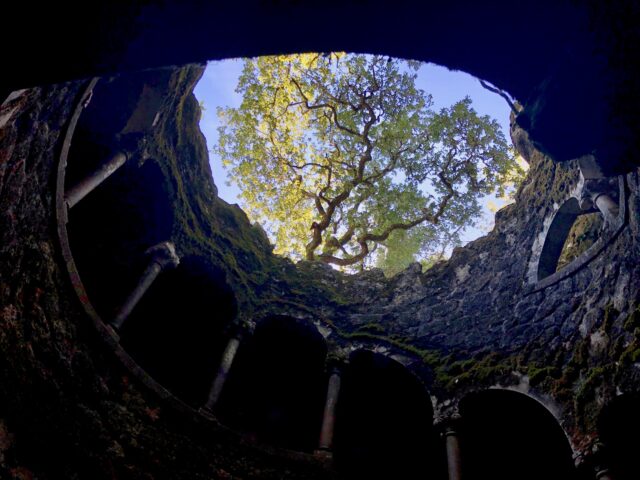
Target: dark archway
x=111, y=228
x=556, y=236
x=619, y=429
x=177, y=331
x=508, y=435
x=120, y=111
x=585, y=232
x=277, y=384
x=384, y=423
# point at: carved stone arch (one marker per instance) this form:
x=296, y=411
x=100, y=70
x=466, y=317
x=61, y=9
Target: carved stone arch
x=555, y=237
x=111, y=228
x=131, y=207
x=275, y=390
x=177, y=331
x=546, y=250
x=546, y=402
x=306, y=320
x=505, y=434
x=384, y=421
x=271, y=309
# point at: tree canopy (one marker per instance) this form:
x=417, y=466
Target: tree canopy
x=343, y=160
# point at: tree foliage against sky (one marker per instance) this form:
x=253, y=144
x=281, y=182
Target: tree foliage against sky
x=343, y=161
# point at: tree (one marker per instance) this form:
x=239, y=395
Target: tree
x=341, y=155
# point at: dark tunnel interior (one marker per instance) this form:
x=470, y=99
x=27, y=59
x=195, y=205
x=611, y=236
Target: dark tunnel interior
x=619, y=429
x=128, y=213
x=276, y=387
x=177, y=331
x=384, y=423
x=507, y=435
x=556, y=237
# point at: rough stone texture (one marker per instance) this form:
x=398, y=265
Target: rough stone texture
x=69, y=409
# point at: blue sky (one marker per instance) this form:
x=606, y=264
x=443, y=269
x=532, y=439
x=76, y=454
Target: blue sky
x=217, y=88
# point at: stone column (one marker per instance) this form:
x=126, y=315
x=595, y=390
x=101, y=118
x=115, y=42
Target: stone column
x=452, y=442
x=329, y=417
x=86, y=186
x=163, y=255
x=607, y=206
x=601, y=461
x=596, y=193
x=225, y=364
x=603, y=474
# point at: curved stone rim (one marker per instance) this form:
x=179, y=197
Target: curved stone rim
x=107, y=335
x=587, y=256
x=202, y=416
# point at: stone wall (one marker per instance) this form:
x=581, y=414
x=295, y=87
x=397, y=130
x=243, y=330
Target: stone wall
x=68, y=407
x=71, y=408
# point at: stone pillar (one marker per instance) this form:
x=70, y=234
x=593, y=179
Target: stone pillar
x=329, y=417
x=225, y=364
x=596, y=193
x=163, y=255
x=452, y=442
x=603, y=474
x=86, y=186
x=601, y=461
x=609, y=208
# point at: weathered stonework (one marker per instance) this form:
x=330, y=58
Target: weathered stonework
x=68, y=408
x=73, y=404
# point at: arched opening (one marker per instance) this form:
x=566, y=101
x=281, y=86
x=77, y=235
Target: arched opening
x=120, y=111
x=584, y=232
x=384, y=423
x=112, y=227
x=130, y=210
x=560, y=246
x=619, y=429
x=176, y=332
x=507, y=435
x=276, y=387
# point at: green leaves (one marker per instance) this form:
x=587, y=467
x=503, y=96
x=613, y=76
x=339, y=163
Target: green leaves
x=340, y=156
